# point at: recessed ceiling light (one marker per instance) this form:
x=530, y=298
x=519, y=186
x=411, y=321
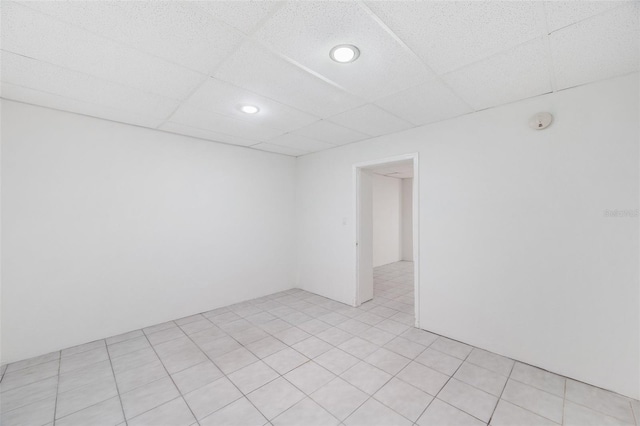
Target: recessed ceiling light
x=249, y=109
x=344, y=53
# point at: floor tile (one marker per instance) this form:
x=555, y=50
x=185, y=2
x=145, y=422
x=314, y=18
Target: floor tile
x=28, y=394
x=309, y=377
x=196, y=377
x=366, y=377
x=15, y=366
x=533, y=399
x=127, y=346
x=312, y=347
x=275, y=326
x=212, y=397
x=507, y=414
x=275, y=397
x=123, y=337
x=373, y=413
x=84, y=376
x=469, y=399
x=403, y=398
x=165, y=335
x=314, y=326
x=339, y=397
x=174, y=413
x=578, y=415
x=220, y=346
x=491, y=361
x=207, y=336
x=184, y=359
x=377, y=336
x=306, y=412
x=189, y=319
x=387, y=361
x=238, y=413
x=424, y=378
x=451, y=347
x=336, y=361
x=353, y=326
x=358, y=347
x=291, y=336
x=83, y=359
x=136, y=377
x=108, y=412
x=16, y=379
x=134, y=360
x=159, y=327
x=440, y=414
x=149, y=396
x=86, y=347
x=85, y=396
x=439, y=361
x=420, y=336
x=285, y=360
x=405, y=347
x=196, y=326
x=481, y=378
x=249, y=335
x=264, y=347
x=334, y=336
x=392, y=326
x=37, y=413
x=234, y=360
x=251, y=377
x=538, y=378
x=600, y=400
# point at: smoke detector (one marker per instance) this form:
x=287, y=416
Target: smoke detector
x=540, y=121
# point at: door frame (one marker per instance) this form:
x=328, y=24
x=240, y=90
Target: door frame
x=415, y=202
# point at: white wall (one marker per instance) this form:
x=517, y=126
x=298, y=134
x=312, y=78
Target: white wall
x=516, y=254
x=109, y=227
x=407, y=219
x=387, y=220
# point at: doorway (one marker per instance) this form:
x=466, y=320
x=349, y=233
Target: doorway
x=387, y=233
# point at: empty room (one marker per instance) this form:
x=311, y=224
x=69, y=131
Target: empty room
x=319, y=213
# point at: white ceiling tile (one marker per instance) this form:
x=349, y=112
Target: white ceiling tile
x=279, y=149
x=36, y=35
x=49, y=100
x=300, y=142
x=223, y=124
x=177, y=31
x=450, y=34
x=563, y=13
x=329, y=132
x=604, y=46
x=205, y=134
x=224, y=98
x=306, y=32
x=44, y=77
x=427, y=103
x=519, y=73
x=371, y=120
x=244, y=15
x=257, y=69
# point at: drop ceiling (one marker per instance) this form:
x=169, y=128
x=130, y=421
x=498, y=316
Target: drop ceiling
x=185, y=67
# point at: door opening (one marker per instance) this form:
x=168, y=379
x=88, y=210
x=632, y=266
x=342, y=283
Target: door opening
x=387, y=235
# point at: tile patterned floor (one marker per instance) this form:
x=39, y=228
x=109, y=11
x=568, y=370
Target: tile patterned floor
x=295, y=358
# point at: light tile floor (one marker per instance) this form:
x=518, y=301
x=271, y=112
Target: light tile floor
x=295, y=358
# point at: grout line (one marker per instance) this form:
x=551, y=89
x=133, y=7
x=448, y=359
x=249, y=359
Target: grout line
x=172, y=381
x=55, y=407
x=124, y=416
x=502, y=392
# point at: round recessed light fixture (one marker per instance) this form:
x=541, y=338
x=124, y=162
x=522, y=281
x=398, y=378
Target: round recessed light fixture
x=249, y=109
x=344, y=53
